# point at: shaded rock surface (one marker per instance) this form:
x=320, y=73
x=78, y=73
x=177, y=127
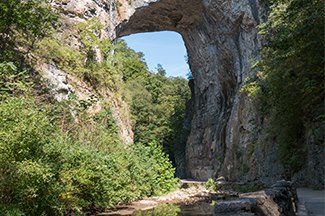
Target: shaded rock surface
x=280, y=199
x=227, y=137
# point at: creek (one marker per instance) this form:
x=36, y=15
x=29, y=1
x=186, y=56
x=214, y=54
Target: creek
x=196, y=209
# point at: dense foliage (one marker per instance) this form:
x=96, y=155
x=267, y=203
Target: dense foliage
x=48, y=171
x=22, y=24
x=157, y=105
x=290, y=84
x=56, y=158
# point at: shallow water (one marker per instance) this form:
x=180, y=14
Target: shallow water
x=198, y=209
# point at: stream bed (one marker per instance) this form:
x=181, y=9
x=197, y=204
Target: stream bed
x=198, y=209
x=278, y=199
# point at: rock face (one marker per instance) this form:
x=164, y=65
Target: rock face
x=279, y=200
x=221, y=38
x=59, y=84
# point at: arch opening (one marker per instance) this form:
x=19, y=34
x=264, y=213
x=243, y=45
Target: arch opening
x=165, y=48
x=214, y=35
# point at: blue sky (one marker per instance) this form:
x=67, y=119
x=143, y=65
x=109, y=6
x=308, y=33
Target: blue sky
x=165, y=48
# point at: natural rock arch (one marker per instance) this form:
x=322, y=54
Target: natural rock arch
x=221, y=38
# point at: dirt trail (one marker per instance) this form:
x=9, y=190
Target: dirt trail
x=311, y=202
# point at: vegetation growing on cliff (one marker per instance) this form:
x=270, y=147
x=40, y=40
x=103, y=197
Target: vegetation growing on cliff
x=157, y=102
x=290, y=84
x=22, y=24
x=55, y=158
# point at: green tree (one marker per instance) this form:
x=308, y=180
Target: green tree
x=158, y=108
x=291, y=81
x=22, y=23
x=160, y=70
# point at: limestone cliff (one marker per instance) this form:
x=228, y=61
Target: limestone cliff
x=221, y=36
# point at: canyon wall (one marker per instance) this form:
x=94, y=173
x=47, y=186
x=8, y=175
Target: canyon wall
x=227, y=135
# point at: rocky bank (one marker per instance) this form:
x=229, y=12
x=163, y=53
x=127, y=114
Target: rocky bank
x=278, y=200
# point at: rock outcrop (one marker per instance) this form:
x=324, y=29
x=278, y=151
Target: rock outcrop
x=279, y=200
x=221, y=37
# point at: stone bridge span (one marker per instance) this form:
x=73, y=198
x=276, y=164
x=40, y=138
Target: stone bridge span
x=221, y=36
x=221, y=39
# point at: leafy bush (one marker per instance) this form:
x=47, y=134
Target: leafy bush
x=210, y=185
x=45, y=171
x=12, y=80
x=22, y=23
x=26, y=175
x=158, y=169
x=12, y=211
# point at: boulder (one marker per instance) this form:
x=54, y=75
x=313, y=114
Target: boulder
x=278, y=200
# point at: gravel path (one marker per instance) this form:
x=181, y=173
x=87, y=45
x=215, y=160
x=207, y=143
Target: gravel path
x=311, y=202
